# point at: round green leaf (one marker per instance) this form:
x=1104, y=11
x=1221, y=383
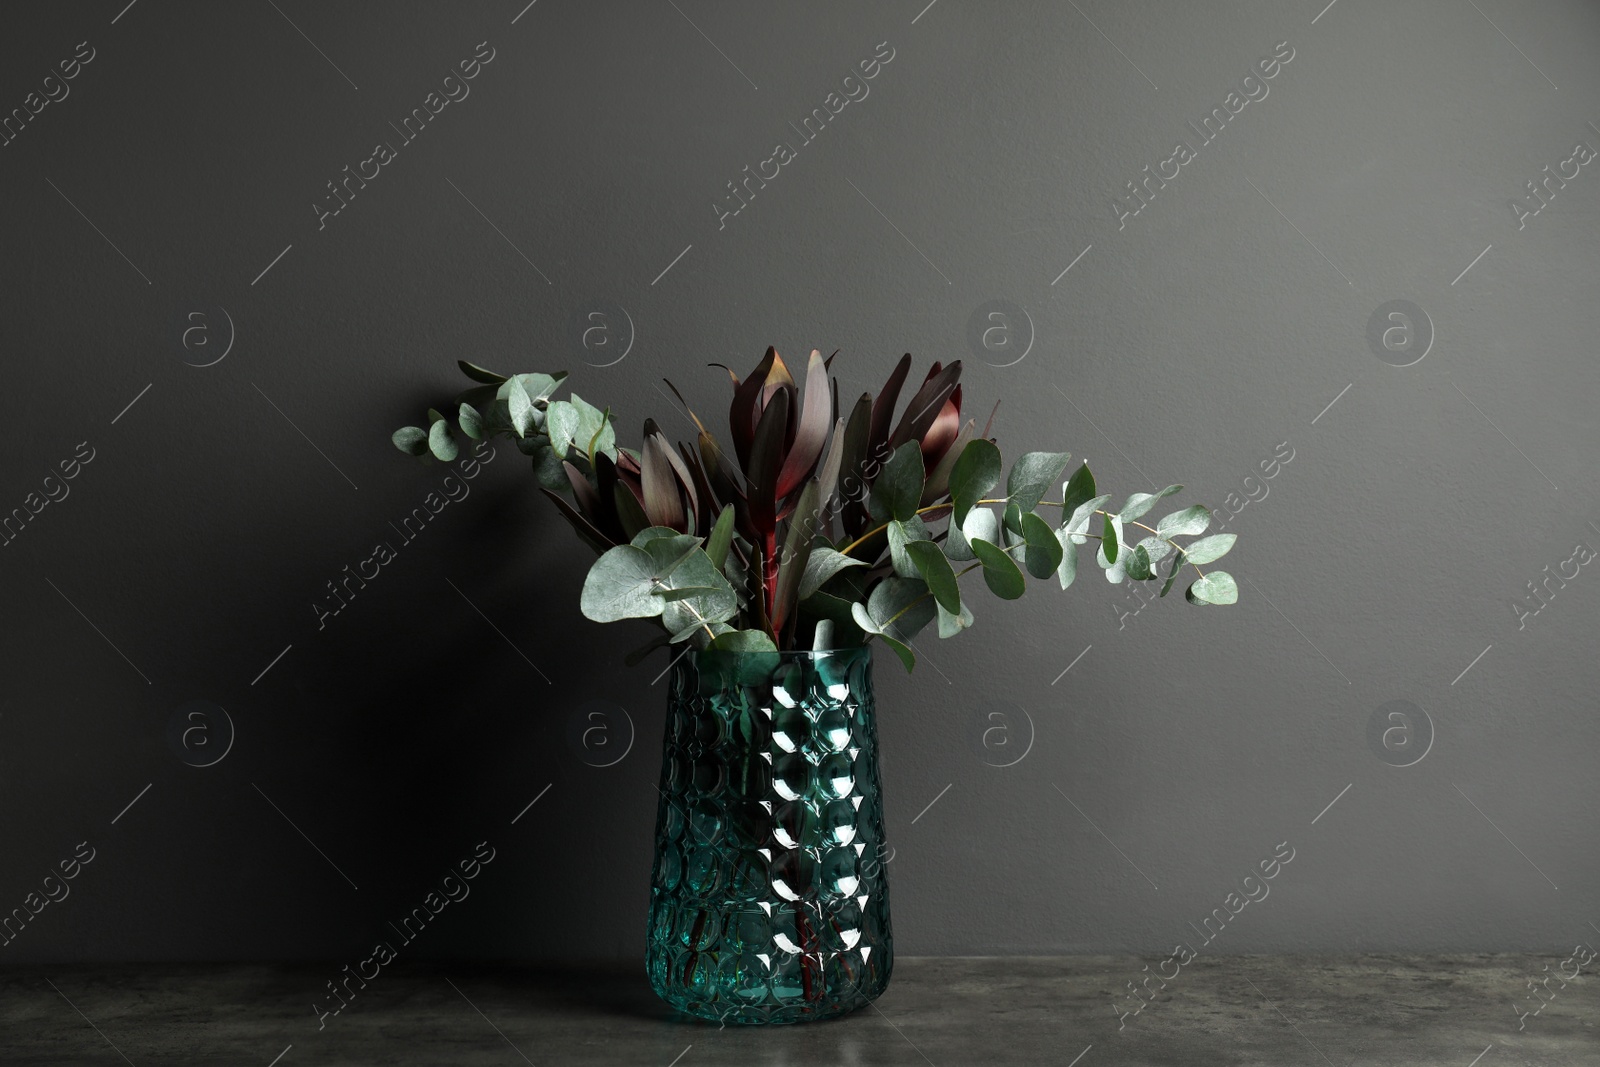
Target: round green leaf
x=440, y=443
x=1209, y=548
x=412, y=440
x=743, y=641
x=1218, y=587
x=1191, y=520
x=1000, y=571
x=898, y=488
x=619, y=586
x=1032, y=474
x=1139, y=503
x=975, y=473
x=823, y=564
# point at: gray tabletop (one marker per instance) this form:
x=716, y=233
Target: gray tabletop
x=1393, y=1010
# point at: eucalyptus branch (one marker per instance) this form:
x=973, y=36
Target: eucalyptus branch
x=1130, y=522
x=919, y=599
x=1168, y=540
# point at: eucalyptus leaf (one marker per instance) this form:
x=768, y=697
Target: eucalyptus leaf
x=547, y=466
x=956, y=546
x=523, y=420
x=1011, y=518
x=900, y=534
x=471, y=422
x=619, y=586
x=935, y=569
x=981, y=523
x=1032, y=475
x=1217, y=587
x=743, y=641
x=1000, y=571
x=899, y=607
x=653, y=533
x=898, y=487
x=1078, y=488
x=576, y=423
x=1082, y=515
x=1172, y=573
x=1110, y=541
x=1044, y=552
x=975, y=473
x=1067, y=570
x=1138, y=564
x=412, y=440
x=479, y=374
x=683, y=592
x=1139, y=503
x=951, y=624
x=901, y=649
x=1156, y=548
x=1191, y=520
x=823, y=605
x=824, y=564
x=721, y=537
x=679, y=561
x=1209, y=548
x=595, y=433
x=441, y=444
x=540, y=387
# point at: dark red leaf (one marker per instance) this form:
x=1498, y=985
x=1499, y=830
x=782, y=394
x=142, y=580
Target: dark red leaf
x=925, y=406
x=815, y=417
x=662, y=504
x=883, y=407
x=746, y=407
x=766, y=458
x=586, y=530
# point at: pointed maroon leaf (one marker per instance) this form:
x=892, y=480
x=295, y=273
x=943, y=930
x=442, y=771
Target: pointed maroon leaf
x=811, y=434
x=926, y=405
x=662, y=504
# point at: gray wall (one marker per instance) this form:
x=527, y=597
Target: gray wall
x=580, y=174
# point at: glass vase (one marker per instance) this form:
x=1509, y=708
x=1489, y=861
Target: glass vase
x=769, y=898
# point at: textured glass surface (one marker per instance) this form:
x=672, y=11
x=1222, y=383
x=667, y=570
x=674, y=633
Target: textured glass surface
x=769, y=901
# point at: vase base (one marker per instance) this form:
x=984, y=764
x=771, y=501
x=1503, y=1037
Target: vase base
x=765, y=995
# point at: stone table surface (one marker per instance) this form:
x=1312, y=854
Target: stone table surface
x=1248, y=1011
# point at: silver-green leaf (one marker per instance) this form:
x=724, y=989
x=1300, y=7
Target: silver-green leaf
x=1209, y=548
x=412, y=440
x=1139, y=503
x=441, y=444
x=1217, y=587
x=1191, y=520
x=823, y=564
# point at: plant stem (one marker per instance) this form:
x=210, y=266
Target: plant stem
x=703, y=624
x=921, y=598
x=1130, y=522
x=1168, y=540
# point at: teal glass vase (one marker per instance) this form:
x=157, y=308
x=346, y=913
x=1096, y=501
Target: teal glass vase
x=769, y=899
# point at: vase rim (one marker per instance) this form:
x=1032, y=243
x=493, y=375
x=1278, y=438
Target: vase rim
x=784, y=655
